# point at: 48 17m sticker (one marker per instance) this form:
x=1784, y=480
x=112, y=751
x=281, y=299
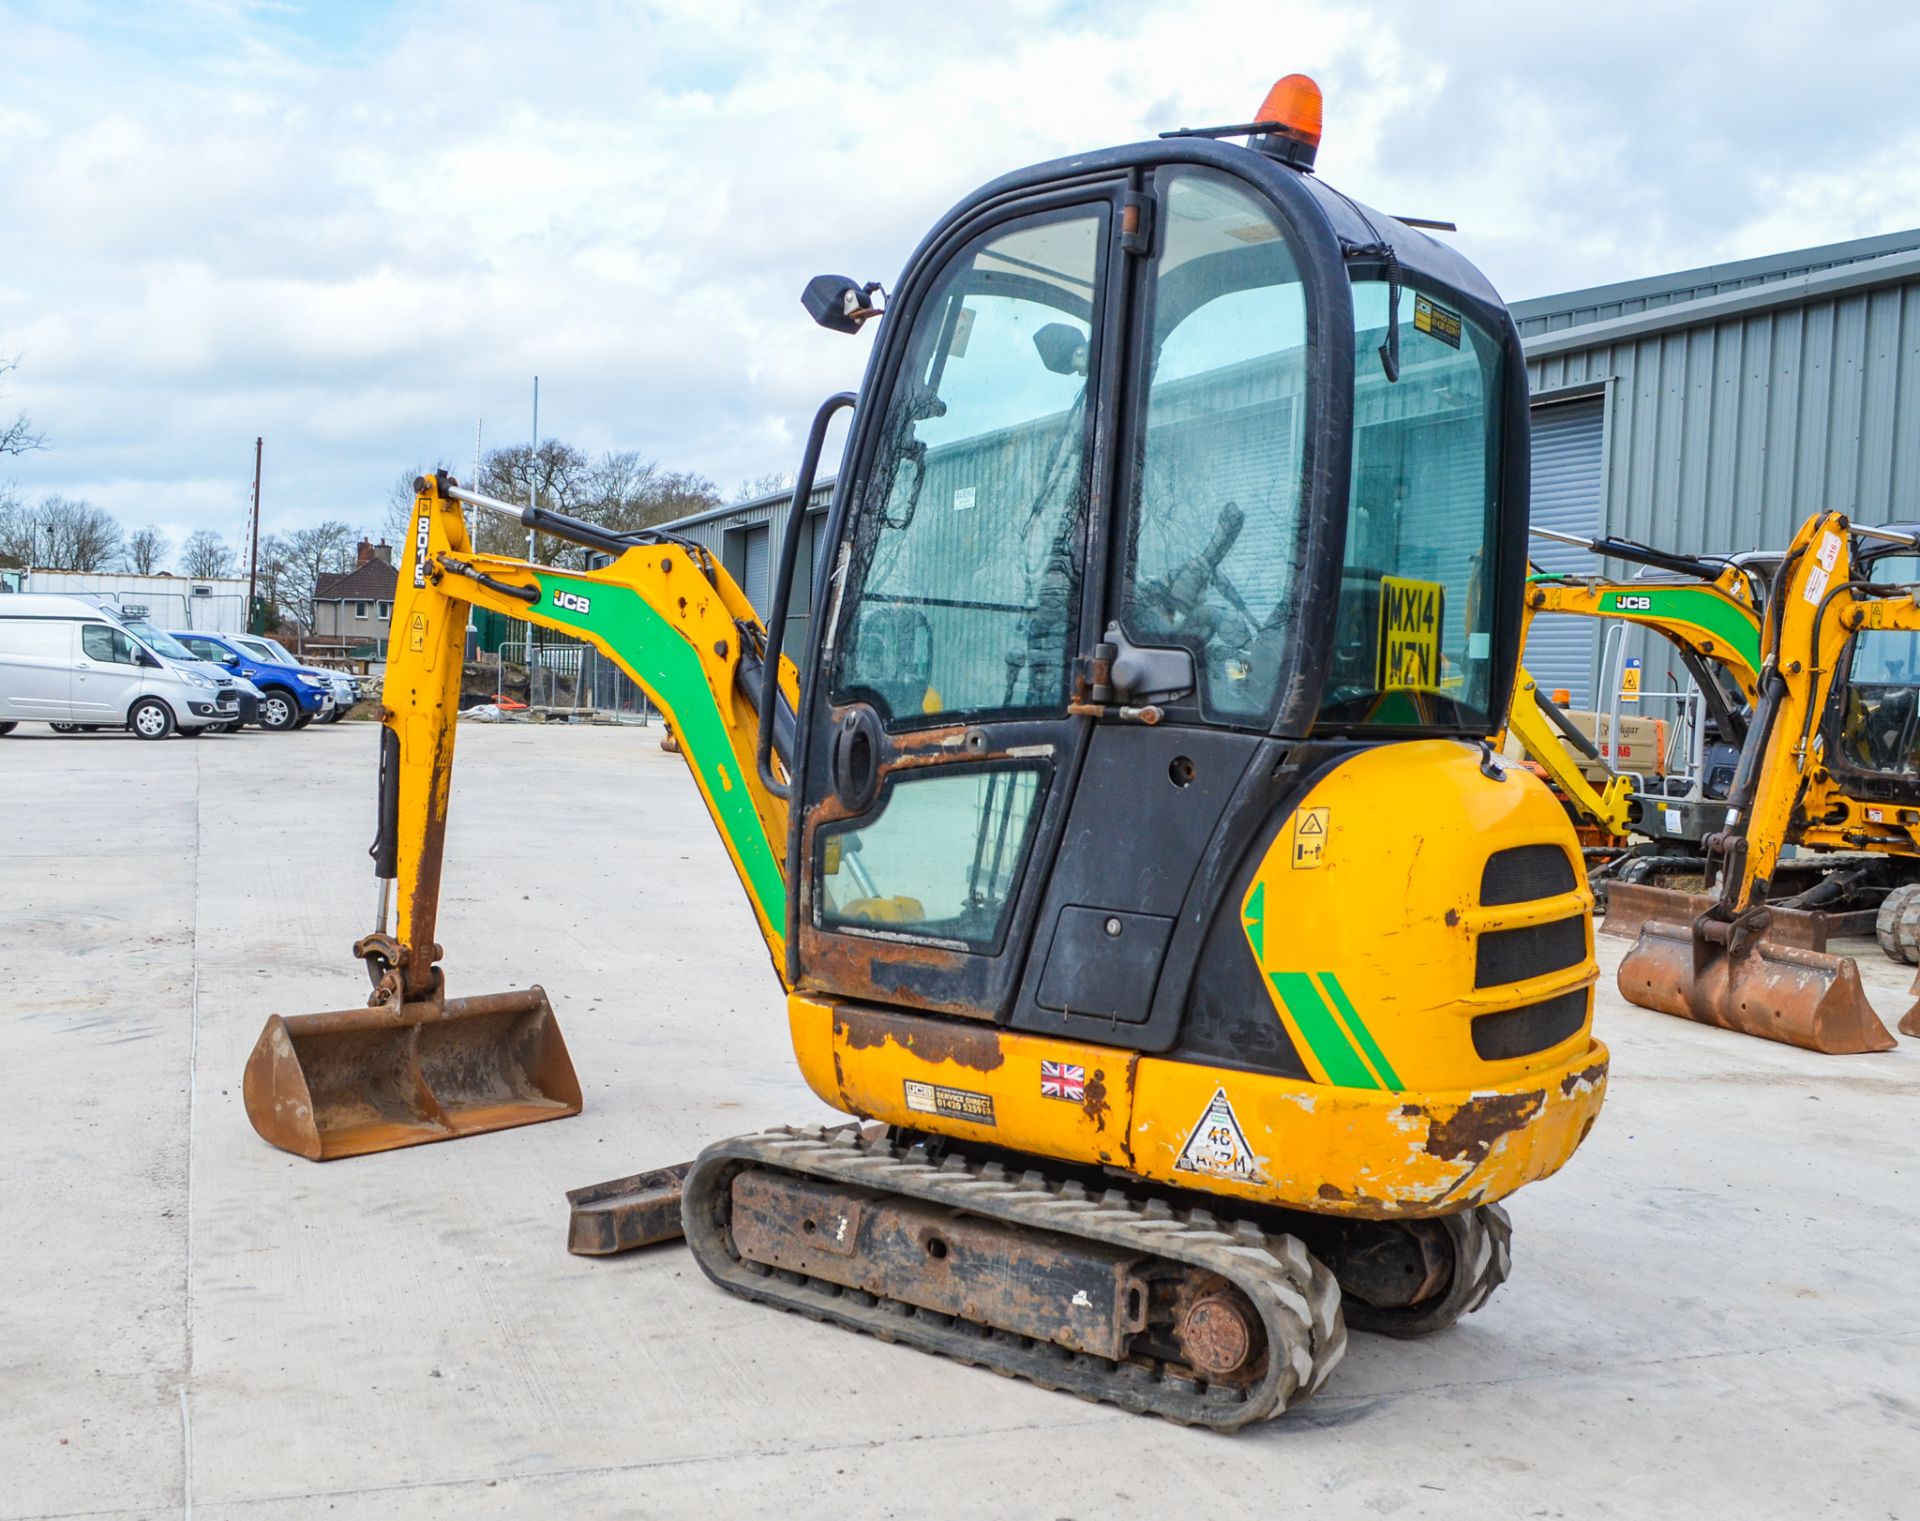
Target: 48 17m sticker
x=1218, y=1146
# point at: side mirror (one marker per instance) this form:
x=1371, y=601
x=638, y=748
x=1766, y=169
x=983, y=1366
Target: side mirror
x=838, y=303
x=228, y=658
x=1063, y=348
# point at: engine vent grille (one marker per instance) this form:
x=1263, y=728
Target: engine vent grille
x=1532, y=950
x=1537, y=1027
x=1525, y=872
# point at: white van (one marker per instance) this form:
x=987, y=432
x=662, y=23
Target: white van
x=66, y=661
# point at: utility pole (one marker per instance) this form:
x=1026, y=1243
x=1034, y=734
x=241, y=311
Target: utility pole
x=253, y=553
x=533, y=500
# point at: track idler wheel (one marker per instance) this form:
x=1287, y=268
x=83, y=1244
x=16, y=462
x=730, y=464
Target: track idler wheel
x=1897, y=925
x=1457, y=1260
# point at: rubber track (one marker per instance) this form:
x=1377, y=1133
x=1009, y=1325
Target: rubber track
x=1296, y=1297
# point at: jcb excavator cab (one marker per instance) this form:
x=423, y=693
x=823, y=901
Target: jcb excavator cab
x=1128, y=824
x=1872, y=727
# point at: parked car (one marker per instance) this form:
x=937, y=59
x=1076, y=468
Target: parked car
x=65, y=661
x=291, y=695
x=346, y=692
x=176, y=653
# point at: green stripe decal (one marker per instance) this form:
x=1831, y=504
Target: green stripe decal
x=1360, y=1031
x=1705, y=607
x=1331, y=1048
x=1253, y=918
x=668, y=668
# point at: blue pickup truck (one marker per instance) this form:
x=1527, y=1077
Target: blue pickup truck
x=291, y=695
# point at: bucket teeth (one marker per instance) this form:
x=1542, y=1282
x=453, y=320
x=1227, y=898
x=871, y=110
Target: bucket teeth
x=1810, y=999
x=356, y=1081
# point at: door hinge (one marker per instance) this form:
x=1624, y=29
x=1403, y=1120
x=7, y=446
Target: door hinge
x=1136, y=223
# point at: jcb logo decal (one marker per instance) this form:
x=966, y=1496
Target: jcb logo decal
x=1633, y=604
x=566, y=601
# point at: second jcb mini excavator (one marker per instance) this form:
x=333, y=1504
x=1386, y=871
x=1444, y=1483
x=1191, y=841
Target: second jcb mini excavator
x=1125, y=839
x=1831, y=760
x=1713, y=622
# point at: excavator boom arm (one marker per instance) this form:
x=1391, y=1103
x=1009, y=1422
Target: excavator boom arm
x=663, y=611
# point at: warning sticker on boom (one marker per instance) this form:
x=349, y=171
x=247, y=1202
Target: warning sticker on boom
x=1218, y=1146
x=1410, y=614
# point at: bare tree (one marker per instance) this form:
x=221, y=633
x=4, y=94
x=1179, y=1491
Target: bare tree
x=146, y=550
x=302, y=558
x=628, y=494
x=205, y=555
x=556, y=475
x=60, y=534
x=773, y=483
x=18, y=436
x=275, y=580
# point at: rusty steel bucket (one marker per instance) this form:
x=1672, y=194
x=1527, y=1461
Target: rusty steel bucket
x=1631, y=905
x=356, y=1081
x=1810, y=999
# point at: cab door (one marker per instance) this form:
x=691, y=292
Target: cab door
x=940, y=750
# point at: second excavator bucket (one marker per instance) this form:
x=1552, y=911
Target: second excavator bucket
x=1810, y=999
x=356, y=1081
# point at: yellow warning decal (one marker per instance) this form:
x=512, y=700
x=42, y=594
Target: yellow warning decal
x=1409, y=634
x=417, y=633
x=1309, y=837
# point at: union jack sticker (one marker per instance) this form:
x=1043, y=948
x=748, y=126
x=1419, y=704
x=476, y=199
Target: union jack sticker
x=1062, y=1080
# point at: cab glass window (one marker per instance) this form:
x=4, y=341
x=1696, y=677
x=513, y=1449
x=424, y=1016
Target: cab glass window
x=1879, y=724
x=1414, y=631
x=941, y=860
x=111, y=646
x=965, y=586
x=1214, y=521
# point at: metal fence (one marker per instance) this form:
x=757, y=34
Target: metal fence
x=559, y=673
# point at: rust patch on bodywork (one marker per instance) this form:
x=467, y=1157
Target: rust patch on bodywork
x=1586, y=1077
x=1094, y=1100
x=930, y=1039
x=1471, y=1130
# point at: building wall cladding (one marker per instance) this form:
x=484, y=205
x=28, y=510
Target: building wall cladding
x=1733, y=416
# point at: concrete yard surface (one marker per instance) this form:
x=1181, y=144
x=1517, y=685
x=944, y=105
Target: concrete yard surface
x=1712, y=1312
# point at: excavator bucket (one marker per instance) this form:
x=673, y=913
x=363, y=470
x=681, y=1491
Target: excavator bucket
x=1810, y=999
x=362, y=1080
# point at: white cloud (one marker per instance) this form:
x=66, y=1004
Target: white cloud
x=356, y=229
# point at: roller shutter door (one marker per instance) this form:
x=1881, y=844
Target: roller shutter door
x=1566, y=496
x=754, y=583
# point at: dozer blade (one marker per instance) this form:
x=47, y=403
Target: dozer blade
x=362, y=1080
x=1810, y=999
x=1910, y=1021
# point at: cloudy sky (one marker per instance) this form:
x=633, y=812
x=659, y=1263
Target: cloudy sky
x=360, y=228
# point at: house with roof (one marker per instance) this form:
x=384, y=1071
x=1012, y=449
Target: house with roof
x=352, y=611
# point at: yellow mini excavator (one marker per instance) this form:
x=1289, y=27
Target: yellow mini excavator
x=1832, y=760
x=1713, y=623
x=1125, y=838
